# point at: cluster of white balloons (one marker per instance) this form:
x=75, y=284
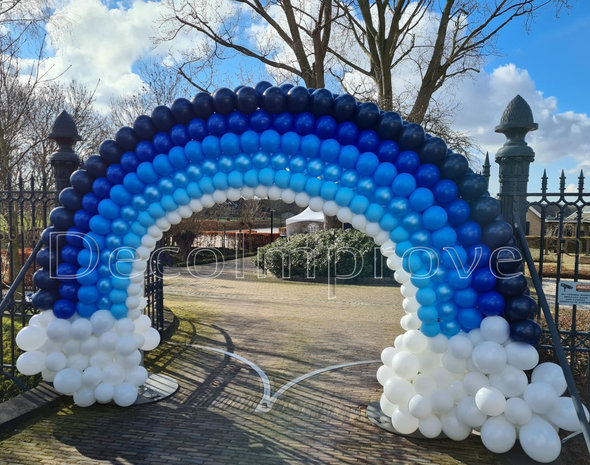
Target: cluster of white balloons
x=95, y=360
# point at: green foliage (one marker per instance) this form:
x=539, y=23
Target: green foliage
x=345, y=251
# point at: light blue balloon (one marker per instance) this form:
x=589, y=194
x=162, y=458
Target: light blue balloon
x=230, y=144
x=434, y=217
x=220, y=181
x=297, y=182
x=194, y=151
x=235, y=179
x=249, y=141
x=194, y=190
x=270, y=141
x=359, y=204
x=266, y=176
x=374, y=213
x=211, y=147
x=313, y=187
x=181, y=196
x=251, y=178
x=290, y=143
x=328, y=190
x=421, y=199
x=162, y=165
x=282, y=179
x=344, y=196
x=132, y=240
x=168, y=203
x=310, y=146
x=177, y=157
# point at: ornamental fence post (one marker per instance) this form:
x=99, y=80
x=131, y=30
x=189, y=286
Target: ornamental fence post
x=65, y=160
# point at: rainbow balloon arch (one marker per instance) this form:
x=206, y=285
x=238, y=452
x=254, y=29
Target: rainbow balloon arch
x=470, y=339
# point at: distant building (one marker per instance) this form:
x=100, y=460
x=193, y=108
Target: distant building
x=552, y=212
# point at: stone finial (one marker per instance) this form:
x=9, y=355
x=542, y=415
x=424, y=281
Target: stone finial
x=65, y=160
x=517, y=115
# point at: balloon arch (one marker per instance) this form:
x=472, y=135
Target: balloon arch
x=469, y=336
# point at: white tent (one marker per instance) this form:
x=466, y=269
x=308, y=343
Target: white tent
x=307, y=221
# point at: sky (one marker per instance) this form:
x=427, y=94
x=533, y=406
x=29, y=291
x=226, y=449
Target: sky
x=101, y=41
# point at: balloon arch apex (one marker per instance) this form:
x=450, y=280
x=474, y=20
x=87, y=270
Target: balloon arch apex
x=470, y=337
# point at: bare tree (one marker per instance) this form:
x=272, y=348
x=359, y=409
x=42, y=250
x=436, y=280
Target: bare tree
x=249, y=210
x=296, y=45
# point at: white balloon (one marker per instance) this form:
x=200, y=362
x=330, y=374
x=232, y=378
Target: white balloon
x=152, y=339
x=30, y=363
x=288, y=196
x=468, y=413
x=442, y=400
x=495, y=329
x=489, y=357
x=316, y=204
x=261, y=191
x=439, y=343
x=155, y=232
x=31, y=337
x=359, y=222
x=403, y=421
x=164, y=224
x=552, y=374
x=81, y=329
x=522, y=356
x=247, y=192
x=372, y=229
x=104, y=393
x=125, y=394
x=460, y=346
x=394, y=262
x=517, y=411
x=142, y=324
x=100, y=359
x=398, y=391
x=113, y=374
x=420, y=406
x=429, y=362
x=107, y=341
x=125, y=326
x=411, y=305
x=384, y=373
x=207, y=201
x=474, y=381
x=498, y=435
x=302, y=200
x=540, y=396
x=84, y=397
x=453, y=427
x=219, y=196
x=387, y=354
x=490, y=401
x=67, y=381
x=184, y=211
x=56, y=361
x=71, y=347
x=405, y=363
x=58, y=330
x=78, y=361
x=139, y=339
x=129, y=362
x=457, y=390
x=475, y=336
x=539, y=440
x=453, y=364
x=430, y=427
x=382, y=237
x=48, y=375
x=511, y=381
x=102, y=321
x=125, y=345
x=148, y=241
x=415, y=341
x=330, y=208
x=443, y=377
x=424, y=384
x=408, y=289
x=135, y=313
x=563, y=414
x=398, y=342
x=234, y=194
x=91, y=376
x=42, y=319
x=410, y=322
x=386, y=407
x=137, y=376
x=173, y=218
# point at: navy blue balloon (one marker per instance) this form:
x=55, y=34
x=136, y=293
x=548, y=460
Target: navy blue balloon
x=182, y=110
x=526, y=331
x=521, y=307
x=273, y=100
x=202, y=105
x=321, y=102
x=95, y=166
x=163, y=118
x=115, y=173
x=44, y=299
x=224, y=100
x=286, y=87
x=261, y=86
x=511, y=287
x=485, y=209
x=70, y=199
x=82, y=181
x=64, y=308
x=496, y=234
x=427, y=175
x=46, y=258
x=472, y=186
x=491, y=303
x=144, y=127
x=390, y=125
x=507, y=261
x=43, y=280
x=110, y=152
x=246, y=100
x=61, y=218
x=433, y=151
x=458, y=212
x=297, y=99
x=412, y=137
x=454, y=167
x=367, y=116
x=126, y=138
x=344, y=108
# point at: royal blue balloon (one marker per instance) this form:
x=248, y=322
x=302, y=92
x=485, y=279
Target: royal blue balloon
x=368, y=141
x=325, y=127
x=217, y=124
x=478, y=255
x=283, y=123
x=347, y=133
x=427, y=175
x=491, y=303
x=526, y=331
x=310, y=146
x=129, y=162
x=454, y=257
x=385, y=174
x=237, y=122
x=145, y=151
x=101, y=187
x=483, y=280
x=120, y=195
x=466, y=297
x=179, y=135
x=421, y=199
x=64, y=308
x=69, y=290
x=458, y=212
x=66, y=272
x=260, y=121
x=304, y=123
x=88, y=294
x=445, y=191
x=162, y=142
x=469, y=233
x=197, y=129
x=82, y=220
x=290, y=143
x=407, y=162
x=108, y=209
x=469, y=318
x=458, y=279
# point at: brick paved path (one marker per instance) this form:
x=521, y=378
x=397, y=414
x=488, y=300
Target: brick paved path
x=288, y=329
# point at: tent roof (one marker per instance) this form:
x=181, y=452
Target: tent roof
x=307, y=215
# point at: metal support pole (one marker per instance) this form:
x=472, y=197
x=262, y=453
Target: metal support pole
x=272, y=217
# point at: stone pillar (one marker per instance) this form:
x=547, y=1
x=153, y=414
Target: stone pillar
x=514, y=158
x=65, y=160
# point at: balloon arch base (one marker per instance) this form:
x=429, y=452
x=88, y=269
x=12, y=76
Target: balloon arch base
x=156, y=388
x=383, y=421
